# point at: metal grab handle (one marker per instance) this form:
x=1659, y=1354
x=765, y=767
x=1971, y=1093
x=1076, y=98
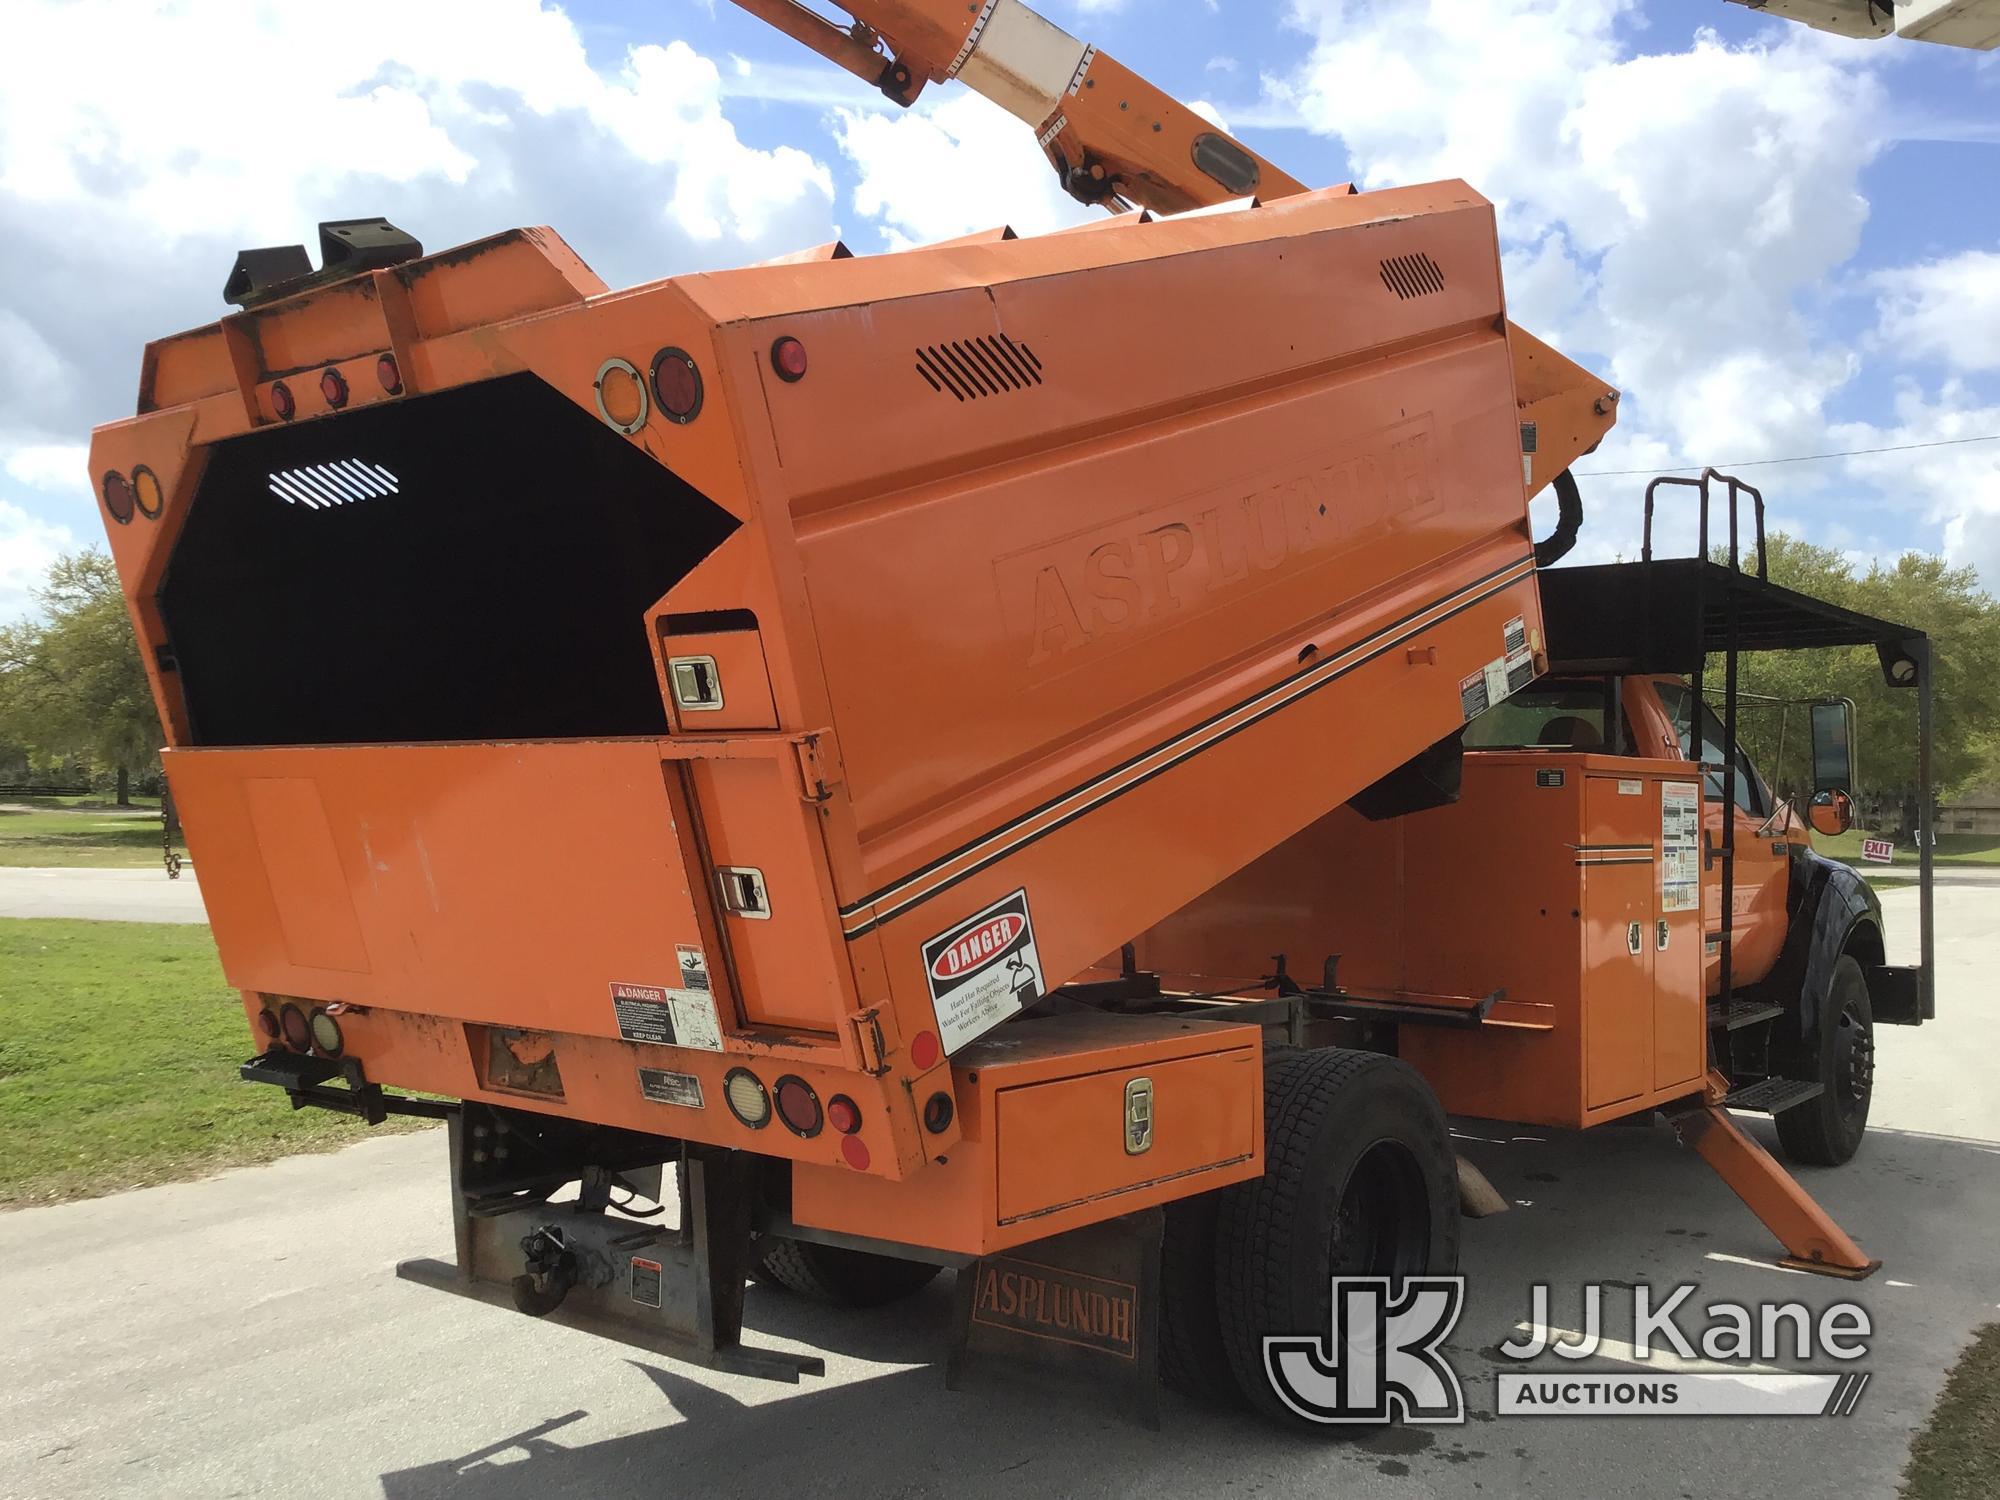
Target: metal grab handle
x=1737, y=488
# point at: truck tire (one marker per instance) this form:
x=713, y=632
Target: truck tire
x=1192, y=1359
x=1826, y=1130
x=1359, y=1180
x=845, y=1278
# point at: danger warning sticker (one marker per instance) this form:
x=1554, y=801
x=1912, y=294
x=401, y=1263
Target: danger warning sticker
x=983, y=970
x=667, y=1018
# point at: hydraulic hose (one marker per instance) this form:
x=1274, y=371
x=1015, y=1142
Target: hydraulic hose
x=1569, y=520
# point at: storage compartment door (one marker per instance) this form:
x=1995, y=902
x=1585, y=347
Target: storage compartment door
x=1618, y=908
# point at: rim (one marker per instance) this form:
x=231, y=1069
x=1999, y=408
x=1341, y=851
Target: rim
x=1853, y=1064
x=1383, y=1224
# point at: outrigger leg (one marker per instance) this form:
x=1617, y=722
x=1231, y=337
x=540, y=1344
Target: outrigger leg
x=1814, y=1242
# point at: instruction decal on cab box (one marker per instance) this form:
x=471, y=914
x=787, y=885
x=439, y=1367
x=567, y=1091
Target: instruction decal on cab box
x=983, y=970
x=1680, y=846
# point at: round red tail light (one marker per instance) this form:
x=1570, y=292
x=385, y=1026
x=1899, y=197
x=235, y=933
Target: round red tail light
x=677, y=383
x=282, y=401
x=390, y=374
x=333, y=386
x=843, y=1114
x=267, y=1022
x=798, y=1106
x=118, y=499
x=298, y=1030
x=788, y=358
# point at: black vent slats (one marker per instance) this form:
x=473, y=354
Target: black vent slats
x=971, y=369
x=1412, y=276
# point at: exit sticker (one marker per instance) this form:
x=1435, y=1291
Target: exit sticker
x=1877, y=851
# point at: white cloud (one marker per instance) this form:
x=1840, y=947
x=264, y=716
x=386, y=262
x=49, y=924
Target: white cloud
x=950, y=168
x=142, y=146
x=56, y=468
x=1668, y=211
x=1956, y=487
x=27, y=546
x=1945, y=309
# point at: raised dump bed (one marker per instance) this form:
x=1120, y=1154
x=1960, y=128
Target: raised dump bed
x=734, y=698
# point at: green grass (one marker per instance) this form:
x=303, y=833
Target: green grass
x=119, y=1044
x=97, y=835
x=1957, y=1455
x=1952, y=848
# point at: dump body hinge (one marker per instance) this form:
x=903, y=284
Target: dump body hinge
x=874, y=1047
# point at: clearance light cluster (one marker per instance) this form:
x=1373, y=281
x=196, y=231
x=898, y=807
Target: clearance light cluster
x=795, y=1104
x=134, y=494
x=316, y=1030
x=334, y=390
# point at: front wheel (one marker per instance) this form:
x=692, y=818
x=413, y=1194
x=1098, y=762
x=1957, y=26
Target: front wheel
x=1826, y=1130
x=1359, y=1180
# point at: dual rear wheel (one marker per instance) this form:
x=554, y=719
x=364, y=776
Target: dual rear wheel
x=1359, y=1180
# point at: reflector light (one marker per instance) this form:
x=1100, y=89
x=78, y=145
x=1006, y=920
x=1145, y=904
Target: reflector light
x=798, y=1107
x=747, y=1099
x=854, y=1151
x=333, y=386
x=788, y=358
x=146, y=492
x=843, y=1114
x=389, y=374
x=118, y=501
x=283, y=402
x=677, y=384
x=267, y=1022
x=326, y=1034
x=298, y=1033
x=621, y=396
x=924, y=1050
x=938, y=1110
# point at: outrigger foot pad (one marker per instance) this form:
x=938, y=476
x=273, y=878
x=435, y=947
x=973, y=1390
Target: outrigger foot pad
x=1806, y=1230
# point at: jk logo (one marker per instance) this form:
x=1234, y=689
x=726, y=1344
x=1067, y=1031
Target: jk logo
x=1379, y=1361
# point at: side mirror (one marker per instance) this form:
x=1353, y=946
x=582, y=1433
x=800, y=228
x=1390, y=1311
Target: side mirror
x=1832, y=748
x=1831, y=813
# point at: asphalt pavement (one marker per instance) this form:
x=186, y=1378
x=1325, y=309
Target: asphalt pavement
x=245, y=1336
x=103, y=895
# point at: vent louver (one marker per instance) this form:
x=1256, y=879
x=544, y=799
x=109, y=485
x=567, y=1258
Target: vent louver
x=1412, y=276
x=990, y=365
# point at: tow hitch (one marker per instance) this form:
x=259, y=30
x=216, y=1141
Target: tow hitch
x=593, y=1263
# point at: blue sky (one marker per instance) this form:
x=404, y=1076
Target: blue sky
x=1776, y=242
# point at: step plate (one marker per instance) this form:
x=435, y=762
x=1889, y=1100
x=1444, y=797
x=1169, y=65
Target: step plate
x=1772, y=1095
x=1740, y=1013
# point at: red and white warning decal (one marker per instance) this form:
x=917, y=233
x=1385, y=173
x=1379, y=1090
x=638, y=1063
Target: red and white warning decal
x=983, y=970
x=667, y=1018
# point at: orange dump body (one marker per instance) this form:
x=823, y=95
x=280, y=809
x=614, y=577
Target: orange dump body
x=598, y=681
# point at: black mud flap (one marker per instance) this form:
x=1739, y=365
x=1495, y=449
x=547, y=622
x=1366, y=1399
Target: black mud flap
x=675, y=1291
x=1080, y=1309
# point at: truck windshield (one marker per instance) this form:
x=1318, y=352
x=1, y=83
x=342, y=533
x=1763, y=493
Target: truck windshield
x=1550, y=714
